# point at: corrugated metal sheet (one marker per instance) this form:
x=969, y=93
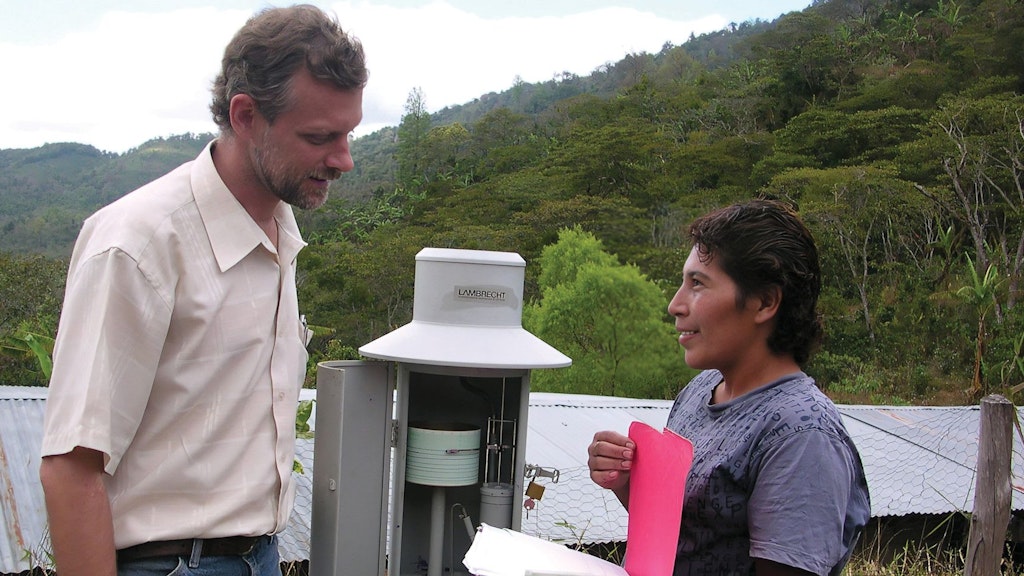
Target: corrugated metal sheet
x=26, y=541
x=922, y=460
x=919, y=460
x=293, y=543
x=24, y=513
x=561, y=427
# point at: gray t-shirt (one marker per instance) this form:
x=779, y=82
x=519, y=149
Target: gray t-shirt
x=775, y=476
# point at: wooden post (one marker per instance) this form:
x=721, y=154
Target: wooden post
x=992, y=488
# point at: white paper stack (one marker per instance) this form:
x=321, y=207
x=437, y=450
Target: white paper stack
x=504, y=552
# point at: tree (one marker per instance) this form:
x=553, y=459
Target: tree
x=412, y=131
x=608, y=318
x=981, y=295
x=562, y=261
x=880, y=256
x=30, y=290
x=503, y=141
x=856, y=205
x=444, y=153
x=980, y=147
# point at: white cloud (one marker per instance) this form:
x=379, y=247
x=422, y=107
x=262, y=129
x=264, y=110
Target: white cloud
x=134, y=76
x=455, y=56
x=131, y=77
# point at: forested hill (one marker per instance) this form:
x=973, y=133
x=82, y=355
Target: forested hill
x=894, y=125
x=45, y=192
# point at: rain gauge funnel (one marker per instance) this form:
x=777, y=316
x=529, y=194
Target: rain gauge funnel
x=423, y=446
x=467, y=312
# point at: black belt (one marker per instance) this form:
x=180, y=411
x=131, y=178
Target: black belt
x=230, y=546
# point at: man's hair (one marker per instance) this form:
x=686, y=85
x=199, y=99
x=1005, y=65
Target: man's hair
x=762, y=244
x=269, y=50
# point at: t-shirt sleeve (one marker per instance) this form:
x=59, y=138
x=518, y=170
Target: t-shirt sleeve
x=112, y=328
x=797, y=508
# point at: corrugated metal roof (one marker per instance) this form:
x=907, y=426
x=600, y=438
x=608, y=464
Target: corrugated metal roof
x=922, y=460
x=561, y=427
x=24, y=512
x=26, y=541
x=918, y=460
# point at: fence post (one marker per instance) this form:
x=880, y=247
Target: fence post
x=992, y=488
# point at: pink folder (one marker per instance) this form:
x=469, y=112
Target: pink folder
x=657, y=482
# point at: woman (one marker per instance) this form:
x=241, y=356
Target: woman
x=776, y=485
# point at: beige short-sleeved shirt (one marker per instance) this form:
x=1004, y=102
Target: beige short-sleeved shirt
x=180, y=356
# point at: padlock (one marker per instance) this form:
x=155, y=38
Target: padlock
x=535, y=491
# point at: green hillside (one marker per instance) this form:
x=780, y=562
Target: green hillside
x=46, y=192
x=894, y=125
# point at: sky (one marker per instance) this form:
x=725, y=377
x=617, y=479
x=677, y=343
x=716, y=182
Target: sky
x=116, y=73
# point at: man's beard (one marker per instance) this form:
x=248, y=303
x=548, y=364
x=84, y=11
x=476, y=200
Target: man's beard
x=285, y=184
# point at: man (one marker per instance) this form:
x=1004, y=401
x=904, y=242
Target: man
x=777, y=486
x=169, y=433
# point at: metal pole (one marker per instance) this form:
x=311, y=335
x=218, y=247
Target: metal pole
x=435, y=566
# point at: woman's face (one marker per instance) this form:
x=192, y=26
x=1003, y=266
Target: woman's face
x=714, y=331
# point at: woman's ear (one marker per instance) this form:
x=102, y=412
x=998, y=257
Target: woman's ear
x=768, y=304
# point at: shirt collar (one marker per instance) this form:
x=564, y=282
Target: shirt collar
x=232, y=232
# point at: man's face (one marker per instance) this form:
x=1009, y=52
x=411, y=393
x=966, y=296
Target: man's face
x=307, y=146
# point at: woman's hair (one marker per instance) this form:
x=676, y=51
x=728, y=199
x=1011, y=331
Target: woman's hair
x=270, y=49
x=762, y=244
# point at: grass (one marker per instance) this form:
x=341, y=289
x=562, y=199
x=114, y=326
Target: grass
x=876, y=556
x=916, y=560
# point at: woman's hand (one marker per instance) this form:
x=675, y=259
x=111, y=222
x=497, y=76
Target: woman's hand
x=610, y=457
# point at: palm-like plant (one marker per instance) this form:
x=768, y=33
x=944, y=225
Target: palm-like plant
x=981, y=294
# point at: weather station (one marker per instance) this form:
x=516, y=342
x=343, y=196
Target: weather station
x=426, y=440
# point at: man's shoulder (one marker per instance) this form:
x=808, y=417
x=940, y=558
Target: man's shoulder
x=131, y=222
x=155, y=198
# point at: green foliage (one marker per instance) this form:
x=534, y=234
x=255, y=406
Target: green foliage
x=30, y=290
x=26, y=357
x=38, y=345
x=612, y=160
x=304, y=412
x=831, y=138
x=608, y=318
x=356, y=221
x=562, y=261
x=917, y=86
x=893, y=126
x=980, y=294
x=46, y=192
x=302, y=429
x=982, y=289
x=412, y=134
x=363, y=290
x=849, y=380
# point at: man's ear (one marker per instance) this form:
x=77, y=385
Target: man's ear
x=768, y=303
x=243, y=114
